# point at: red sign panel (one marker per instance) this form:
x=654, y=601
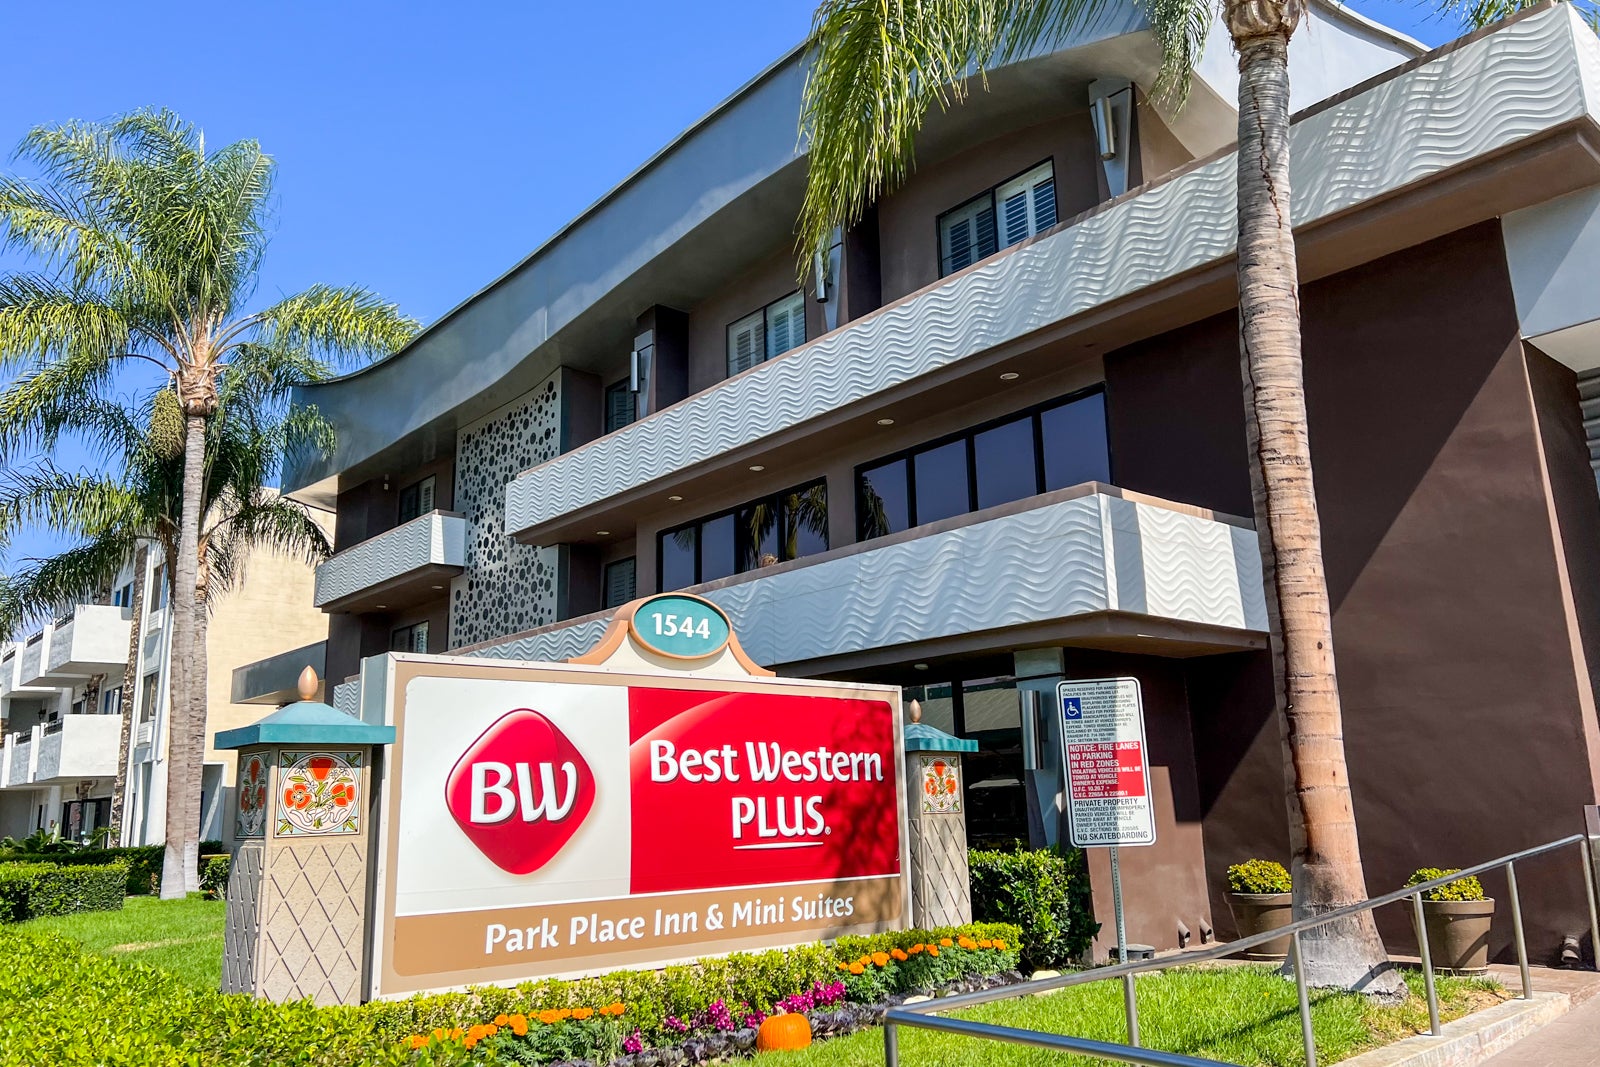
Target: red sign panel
x=1106, y=769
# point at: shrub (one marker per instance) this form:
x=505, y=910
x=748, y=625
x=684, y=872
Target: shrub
x=1258, y=876
x=214, y=876
x=926, y=965
x=1045, y=892
x=143, y=861
x=1468, y=888
x=30, y=890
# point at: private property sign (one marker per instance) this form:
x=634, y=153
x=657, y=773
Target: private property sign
x=555, y=819
x=1108, y=778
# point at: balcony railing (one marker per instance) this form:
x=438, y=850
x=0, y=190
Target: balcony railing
x=75, y=747
x=93, y=639
x=397, y=566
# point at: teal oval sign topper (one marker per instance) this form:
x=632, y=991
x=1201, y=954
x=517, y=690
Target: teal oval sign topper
x=683, y=627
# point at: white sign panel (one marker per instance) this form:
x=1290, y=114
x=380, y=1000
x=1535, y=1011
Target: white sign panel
x=1103, y=751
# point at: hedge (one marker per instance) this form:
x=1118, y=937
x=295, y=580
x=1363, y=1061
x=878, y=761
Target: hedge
x=31, y=890
x=63, y=1006
x=1046, y=892
x=143, y=862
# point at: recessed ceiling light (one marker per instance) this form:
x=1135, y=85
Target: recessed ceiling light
x=602, y=533
x=920, y=666
x=438, y=587
x=1010, y=376
x=885, y=422
x=758, y=468
x=674, y=498
x=381, y=607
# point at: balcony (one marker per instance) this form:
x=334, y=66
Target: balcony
x=33, y=660
x=1091, y=566
x=92, y=640
x=76, y=747
x=275, y=680
x=406, y=565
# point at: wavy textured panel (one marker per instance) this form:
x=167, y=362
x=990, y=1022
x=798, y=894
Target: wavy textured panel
x=347, y=698
x=434, y=538
x=1048, y=563
x=1523, y=79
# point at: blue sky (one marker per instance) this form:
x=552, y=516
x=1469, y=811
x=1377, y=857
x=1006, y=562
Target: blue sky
x=422, y=148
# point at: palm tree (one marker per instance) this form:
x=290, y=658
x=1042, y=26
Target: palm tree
x=878, y=68
x=112, y=517
x=149, y=248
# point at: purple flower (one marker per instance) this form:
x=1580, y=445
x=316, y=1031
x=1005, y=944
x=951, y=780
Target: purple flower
x=634, y=1043
x=672, y=1022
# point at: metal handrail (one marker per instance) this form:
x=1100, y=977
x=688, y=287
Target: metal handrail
x=922, y=1015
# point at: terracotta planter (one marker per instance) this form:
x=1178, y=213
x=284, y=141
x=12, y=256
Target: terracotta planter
x=1458, y=934
x=1256, y=913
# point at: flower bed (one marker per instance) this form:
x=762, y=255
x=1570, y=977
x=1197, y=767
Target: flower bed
x=711, y=1012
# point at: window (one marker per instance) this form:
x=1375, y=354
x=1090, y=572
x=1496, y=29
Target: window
x=111, y=701
x=772, y=331
x=621, y=583
x=122, y=596
x=998, y=218
x=158, y=588
x=417, y=499
x=147, y=706
x=761, y=533
x=413, y=638
x=1059, y=444
x=621, y=405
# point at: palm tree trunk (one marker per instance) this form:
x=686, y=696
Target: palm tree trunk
x=130, y=695
x=187, y=722
x=1326, y=855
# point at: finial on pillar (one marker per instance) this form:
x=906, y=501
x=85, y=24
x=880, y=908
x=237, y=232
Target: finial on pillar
x=916, y=711
x=308, y=683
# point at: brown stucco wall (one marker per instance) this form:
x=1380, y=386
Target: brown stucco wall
x=755, y=289
x=1464, y=711
x=368, y=509
x=908, y=239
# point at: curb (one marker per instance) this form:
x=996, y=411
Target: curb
x=1471, y=1040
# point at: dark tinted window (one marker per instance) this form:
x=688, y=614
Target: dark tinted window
x=1075, y=442
x=1004, y=460
x=620, y=406
x=883, y=504
x=677, y=558
x=941, y=481
x=758, y=534
x=620, y=582
x=717, y=559
x=804, y=529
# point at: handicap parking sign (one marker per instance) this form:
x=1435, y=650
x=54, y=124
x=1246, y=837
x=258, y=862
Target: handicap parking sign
x=1072, y=708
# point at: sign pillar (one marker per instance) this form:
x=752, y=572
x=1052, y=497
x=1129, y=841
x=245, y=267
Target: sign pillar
x=941, y=890
x=298, y=881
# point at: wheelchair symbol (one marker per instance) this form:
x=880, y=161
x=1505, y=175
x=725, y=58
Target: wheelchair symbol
x=1072, y=708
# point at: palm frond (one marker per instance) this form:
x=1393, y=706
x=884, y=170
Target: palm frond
x=342, y=323
x=72, y=576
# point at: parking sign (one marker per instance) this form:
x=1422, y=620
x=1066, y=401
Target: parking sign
x=1103, y=752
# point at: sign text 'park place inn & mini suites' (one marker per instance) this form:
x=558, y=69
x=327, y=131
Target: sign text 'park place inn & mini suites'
x=658, y=800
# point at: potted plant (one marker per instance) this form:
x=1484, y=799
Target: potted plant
x=1456, y=916
x=1260, y=899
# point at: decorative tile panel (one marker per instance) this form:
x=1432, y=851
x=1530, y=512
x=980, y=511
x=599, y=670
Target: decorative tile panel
x=318, y=793
x=941, y=785
x=251, y=818
x=507, y=587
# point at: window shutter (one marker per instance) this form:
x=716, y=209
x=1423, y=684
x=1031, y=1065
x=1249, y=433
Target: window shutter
x=419, y=637
x=985, y=233
x=786, y=324
x=1044, y=205
x=621, y=406
x=1014, y=217
x=746, y=345
x=1027, y=205
x=958, y=244
x=425, y=496
x=620, y=582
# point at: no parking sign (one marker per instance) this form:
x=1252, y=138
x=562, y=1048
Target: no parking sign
x=1103, y=751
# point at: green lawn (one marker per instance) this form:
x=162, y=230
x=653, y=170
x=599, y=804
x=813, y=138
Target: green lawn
x=1240, y=1014
x=1245, y=1015
x=180, y=936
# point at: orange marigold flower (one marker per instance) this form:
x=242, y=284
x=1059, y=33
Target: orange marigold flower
x=844, y=966
x=491, y=1029
x=899, y=954
x=616, y=1007
x=564, y=1014
x=945, y=942
x=933, y=950
x=880, y=958
x=915, y=949
x=417, y=1041
x=549, y=1016
x=581, y=1014
x=456, y=1034
x=469, y=1042
x=502, y=1019
x=1001, y=945
x=856, y=968
x=966, y=943
x=440, y=1033
x=986, y=943
x=519, y=1025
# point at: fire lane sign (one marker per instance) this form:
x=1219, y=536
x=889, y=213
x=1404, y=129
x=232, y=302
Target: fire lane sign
x=1104, y=756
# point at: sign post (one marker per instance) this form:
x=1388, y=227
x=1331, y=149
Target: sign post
x=1108, y=785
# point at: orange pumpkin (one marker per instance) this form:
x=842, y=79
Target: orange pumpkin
x=789, y=1030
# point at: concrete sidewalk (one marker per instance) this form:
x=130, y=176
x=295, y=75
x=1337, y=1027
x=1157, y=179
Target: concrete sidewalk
x=1572, y=1040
